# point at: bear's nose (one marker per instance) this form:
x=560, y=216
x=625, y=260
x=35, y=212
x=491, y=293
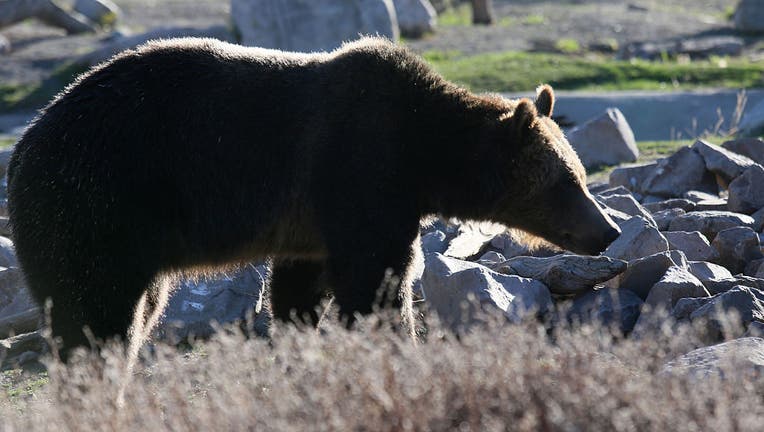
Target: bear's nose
x=611, y=235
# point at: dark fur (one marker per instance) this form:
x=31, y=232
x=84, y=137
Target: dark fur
x=194, y=154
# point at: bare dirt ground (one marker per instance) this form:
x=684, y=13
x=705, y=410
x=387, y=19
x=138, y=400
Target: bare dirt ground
x=522, y=24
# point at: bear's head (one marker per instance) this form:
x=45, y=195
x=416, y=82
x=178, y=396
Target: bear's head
x=546, y=192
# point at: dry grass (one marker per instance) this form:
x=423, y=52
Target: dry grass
x=500, y=377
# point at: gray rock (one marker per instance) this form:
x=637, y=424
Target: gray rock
x=224, y=299
x=755, y=329
x=750, y=147
x=448, y=285
x=729, y=313
x=684, y=307
x=706, y=271
x=7, y=253
x=598, y=187
x=745, y=192
x=722, y=162
x=716, y=204
x=710, y=222
x=643, y=273
x=618, y=217
x=564, y=274
x=694, y=245
x=626, y=204
x=5, y=45
x=434, y=241
x=103, y=12
x=663, y=218
x=604, y=140
x=698, y=196
x=723, y=285
x=631, y=177
x=753, y=267
x=306, y=26
x=608, y=307
x=491, y=258
x=749, y=16
x=19, y=313
x=758, y=220
x=737, y=246
x=682, y=171
x=675, y=284
x=618, y=190
x=695, y=47
x=415, y=17
x=680, y=203
x=639, y=238
x=735, y=357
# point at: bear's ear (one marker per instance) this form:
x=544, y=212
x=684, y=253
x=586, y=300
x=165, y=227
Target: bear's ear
x=524, y=115
x=545, y=100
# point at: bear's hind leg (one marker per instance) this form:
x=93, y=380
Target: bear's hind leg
x=296, y=290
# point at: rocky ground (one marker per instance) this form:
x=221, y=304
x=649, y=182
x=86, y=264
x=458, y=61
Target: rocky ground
x=522, y=24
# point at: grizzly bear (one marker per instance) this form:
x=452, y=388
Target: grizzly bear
x=192, y=154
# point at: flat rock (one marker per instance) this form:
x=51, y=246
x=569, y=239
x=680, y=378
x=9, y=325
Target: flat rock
x=737, y=246
x=625, y=203
x=722, y=162
x=684, y=307
x=631, y=177
x=682, y=171
x=449, y=283
x=663, y=218
x=680, y=203
x=675, y=284
x=639, y=238
x=694, y=245
x=608, y=307
x=723, y=285
x=710, y=222
x=641, y=274
x=749, y=16
x=698, y=196
x=564, y=274
x=745, y=302
x=604, y=140
x=745, y=355
x=745, y=192
x=716, y=204
x=491, y=258
x=753, y=148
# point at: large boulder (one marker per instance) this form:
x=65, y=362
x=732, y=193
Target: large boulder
x=224, y=299
x=604, y=140
x=733, y=357
x=643, y=273
x=684, y=170
x=749, y=16
x=728, y=314
x=639, y=238
x=694, y=245
x=710, y=222
x=675, y=284
x=449, y=284
x=624, y=203
x=631, y=177
x=746, y=194
x=415, y=17
x=737, y=247
x=750, y=147
x=608, y=307
x=316, y=25
x=722, y=162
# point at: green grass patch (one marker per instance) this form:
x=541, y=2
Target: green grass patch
x=568, y=46
x=457, y=16
x=513, y=71
x=6, y=141
x=33, y=96
x=534, y=19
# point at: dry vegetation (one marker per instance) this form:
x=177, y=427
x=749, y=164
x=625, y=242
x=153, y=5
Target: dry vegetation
x=499, y=377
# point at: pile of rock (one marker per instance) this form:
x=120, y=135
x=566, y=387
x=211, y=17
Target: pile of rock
x=690, y=251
